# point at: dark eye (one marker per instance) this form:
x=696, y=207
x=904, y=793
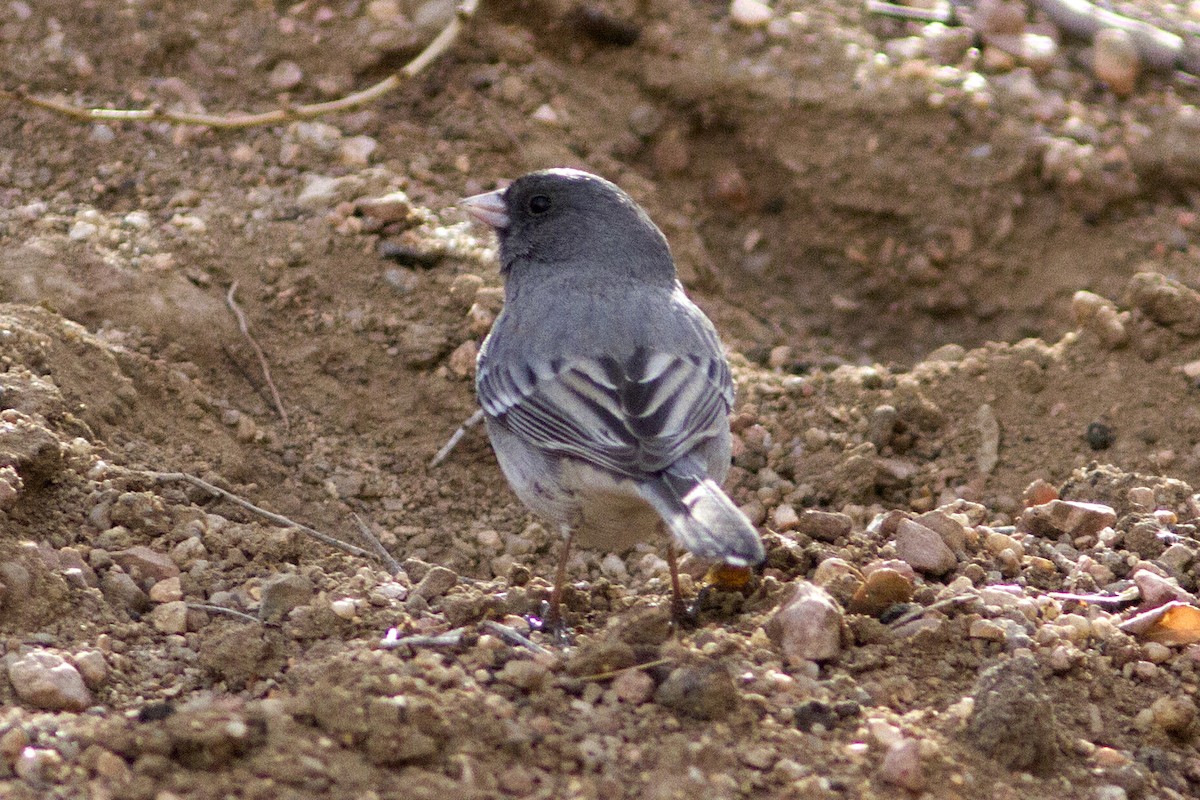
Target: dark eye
x=539, y=204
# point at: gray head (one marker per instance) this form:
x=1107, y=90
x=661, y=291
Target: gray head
x=559, y=219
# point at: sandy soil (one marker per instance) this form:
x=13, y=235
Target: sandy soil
x=891, y=248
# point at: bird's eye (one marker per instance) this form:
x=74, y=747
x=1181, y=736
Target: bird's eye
x=539, y=204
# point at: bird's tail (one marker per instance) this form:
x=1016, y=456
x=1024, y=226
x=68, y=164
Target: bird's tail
x=703, y=519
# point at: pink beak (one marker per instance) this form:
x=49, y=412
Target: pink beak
x=488, y=208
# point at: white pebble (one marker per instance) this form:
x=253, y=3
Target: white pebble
x=749, y=13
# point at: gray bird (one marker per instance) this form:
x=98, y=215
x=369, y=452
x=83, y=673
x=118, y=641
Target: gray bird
x=605, y=390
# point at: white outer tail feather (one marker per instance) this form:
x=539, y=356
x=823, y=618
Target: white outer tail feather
x=705, y=521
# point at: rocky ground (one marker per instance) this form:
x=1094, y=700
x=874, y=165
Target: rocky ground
x=954, y=280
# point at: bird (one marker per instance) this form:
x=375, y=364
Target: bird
x=605, y=390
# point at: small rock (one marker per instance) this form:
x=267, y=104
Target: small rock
x=344, y=608
x=38, y=765
x=1115, y=60
x=825, y=526
x=1168, y=302
x=947, y=45
x=437, y=581
x=92, y=667
x=902, y=766
x=170, y=617
x=286, y=75
x=883, y=588
x=1174, y=713
x=1157, y=590
x=1067, y=516
x=1013, y=720
x=785, y=518
x=283, y=593
x=749, y=13
x=356, y=151
x=45, y=680
x=166, y=591
x=923, y=549
x=1038, y=493
x=390, y=208
x=463, y=358
x=704, y=690
x=1100, y=317
x=633, y=687
x=526, y=675
x=146, y=566
x=808, y=627
x=121, y=591
x=986, y=629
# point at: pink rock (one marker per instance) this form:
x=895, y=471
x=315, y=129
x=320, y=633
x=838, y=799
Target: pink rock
x=808, y=627
x=45, y=680
x=923, y=549
x=902, y=766
x=1069, y=517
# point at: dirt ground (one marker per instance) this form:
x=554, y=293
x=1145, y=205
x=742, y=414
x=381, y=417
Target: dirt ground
x=889, y=230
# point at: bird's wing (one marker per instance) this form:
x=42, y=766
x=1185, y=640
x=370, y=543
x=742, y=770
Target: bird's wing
x=632, y=416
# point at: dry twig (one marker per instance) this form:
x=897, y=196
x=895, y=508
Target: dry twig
x=368, y=536
x=278, y=519
x=228, y=612
x=513, y=636
x=392, y=639
x=603, y=676
x=240, y=119
x=457, y=436
x=244, y=327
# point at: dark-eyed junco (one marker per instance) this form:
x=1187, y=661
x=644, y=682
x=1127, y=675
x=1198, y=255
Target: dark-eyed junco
x=605, y=389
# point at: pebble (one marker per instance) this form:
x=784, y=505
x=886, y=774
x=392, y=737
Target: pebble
x=146, y=566
x=1038, y=493
x=356, y=151
x=283, y=593
x=170, y=617
x=947, y=45
x=1100, y=317
x=883, y=588
x=749, y=13
x=1174, y=713
x=1166, y=301
x=808, y=627
x=526, y=675
x=46, y=680
x=462, y=359
x=166, y=591
x=396, y=207
x=825, y=526
x=344, y=608
x=92, y=667
x=633, y=687
x=1157, y=590
x=121, y=591
x=923, y=549
x=38, y=765
x=434, y=583
x=1012, y=720
x=902, y=766
x=1115, y=60
x=704, y=690
x=286, y=75
x=1067, y=516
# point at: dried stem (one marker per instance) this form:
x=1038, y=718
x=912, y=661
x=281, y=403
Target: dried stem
x=513, y=636
x=244, y=327
x=240, y=119
x=448, y=639
x=457, y=436
x=278, y=519
x=368, y=536
x=227, y=612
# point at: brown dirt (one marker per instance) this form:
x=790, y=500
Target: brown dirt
x=862, y=234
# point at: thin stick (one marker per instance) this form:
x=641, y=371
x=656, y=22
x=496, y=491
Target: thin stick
x=456, y=437
x=513, y=636
x=944, y=15
x=278, y=519
x=245, y=373
x=368, y=536
x=1130, y=595
x=244, y=327
x=241, y=119
x=603, y=676
x=228, y=612
x=917, y=613
x=392, y=640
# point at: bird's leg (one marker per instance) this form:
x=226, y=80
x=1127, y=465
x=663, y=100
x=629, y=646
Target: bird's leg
x=554, y=623
x=679, y=613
